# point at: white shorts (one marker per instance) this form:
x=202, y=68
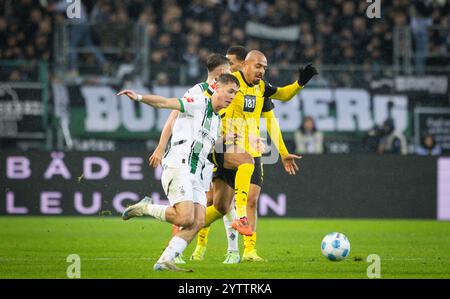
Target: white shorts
x=181, y=185
x=207, y=175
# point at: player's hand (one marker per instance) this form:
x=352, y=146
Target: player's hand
x=261, y=146
x=155, y=159
x=289, y=163
x=306, y=73
x=232, y=138
x=257, y=142
x=129, y=93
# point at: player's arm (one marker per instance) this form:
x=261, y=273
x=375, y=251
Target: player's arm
x=155, y=101
x=273, y=128
x=167, y=130
x=156, y=157
x=287, y=92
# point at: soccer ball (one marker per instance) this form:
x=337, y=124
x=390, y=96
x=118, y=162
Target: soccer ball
x=335, y=246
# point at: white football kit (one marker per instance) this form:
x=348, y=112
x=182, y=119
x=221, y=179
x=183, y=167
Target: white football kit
x=187, y=173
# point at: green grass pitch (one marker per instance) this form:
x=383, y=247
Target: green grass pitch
x=37, y=247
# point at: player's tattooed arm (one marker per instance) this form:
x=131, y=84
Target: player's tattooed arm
x=155, y=101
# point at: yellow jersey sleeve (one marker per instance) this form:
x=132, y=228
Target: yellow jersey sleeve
x=284, y=93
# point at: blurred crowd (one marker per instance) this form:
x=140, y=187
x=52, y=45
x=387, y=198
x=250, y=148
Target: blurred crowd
x=381, y=139
x=185, y=32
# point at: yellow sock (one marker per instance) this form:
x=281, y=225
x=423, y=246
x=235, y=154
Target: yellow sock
x=212, y=214
x=202, y=237
x=241, y=187
x=249, y=242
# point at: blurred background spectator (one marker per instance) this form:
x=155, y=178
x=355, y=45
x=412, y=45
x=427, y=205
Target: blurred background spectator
x=307, y=139
x=428, y=146
x=372, y=138
x=392, y=141
x=80, y=34
x=420, y=21
x=331, y=32
x=351, y=50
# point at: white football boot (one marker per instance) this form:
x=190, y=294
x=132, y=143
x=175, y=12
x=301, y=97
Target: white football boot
x=137, y=210
x=169, y=266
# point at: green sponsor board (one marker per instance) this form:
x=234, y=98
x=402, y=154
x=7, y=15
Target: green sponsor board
x=78, y=128
x=97, y=112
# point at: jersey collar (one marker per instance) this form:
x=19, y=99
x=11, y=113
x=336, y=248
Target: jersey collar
x=210, y=107
x=243, y=78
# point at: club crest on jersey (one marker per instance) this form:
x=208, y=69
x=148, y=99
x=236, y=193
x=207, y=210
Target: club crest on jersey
x=189, y=100
x=213, y=86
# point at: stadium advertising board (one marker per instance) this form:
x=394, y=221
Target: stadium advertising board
x=57, y=183
x=435, y=121
x=428, y=85
x=92, y=183
x=22, y=110
x=444, y=189
x=96, y=111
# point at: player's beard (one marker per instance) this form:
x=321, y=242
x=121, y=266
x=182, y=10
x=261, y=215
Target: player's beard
x=258, y=77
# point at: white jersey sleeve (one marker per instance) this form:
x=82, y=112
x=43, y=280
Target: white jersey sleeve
x=194, y=90
x=191, y=103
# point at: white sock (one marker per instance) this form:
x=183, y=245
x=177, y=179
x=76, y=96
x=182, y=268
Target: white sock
x=157, y=211
x=175, y=248
x=232, y=234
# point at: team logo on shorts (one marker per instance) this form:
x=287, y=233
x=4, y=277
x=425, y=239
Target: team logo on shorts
x=182, y=191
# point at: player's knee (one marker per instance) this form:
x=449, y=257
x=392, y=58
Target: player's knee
x=199, y=224
x=244, y=159
x=222, y=208
x=247, y=159
x=186, y=220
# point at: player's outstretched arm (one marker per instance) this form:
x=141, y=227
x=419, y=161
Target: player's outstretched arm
x=155, y=101
x=286, y=93
x=156, y=157
x=273, y=128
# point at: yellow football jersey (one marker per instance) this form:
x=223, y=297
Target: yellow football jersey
x=244, y=113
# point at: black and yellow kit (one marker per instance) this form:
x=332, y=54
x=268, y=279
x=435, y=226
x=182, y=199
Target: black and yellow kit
x=243, y=115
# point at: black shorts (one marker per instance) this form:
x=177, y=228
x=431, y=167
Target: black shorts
x=228, y=175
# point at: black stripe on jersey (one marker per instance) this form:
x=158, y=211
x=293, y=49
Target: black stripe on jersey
x=268, y=105
x=169, y=146
x=190, y=154
x=168, y=187
x=206, y=113
x=243, y=78
x=269, y=90
x=193, y=142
